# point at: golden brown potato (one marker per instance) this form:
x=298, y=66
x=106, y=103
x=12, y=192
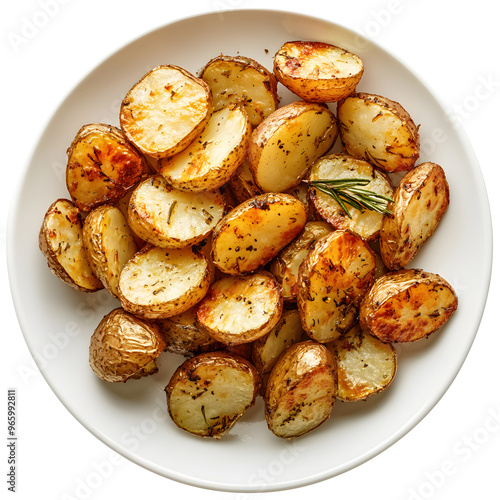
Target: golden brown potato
x=61, y=242
x=242, y=183
x=287, y=142
x=165, y=110
x=208, y=393
x=365, y=364
x=161, y=282
x=407, y=305
x=333, y=278
x=102, y=166
x=241, y=80
x=255, y=231
x=240, y=309
x=124, y=347
x=301, y=390
x=420, y=201
x=317, y=71
x=379, y=130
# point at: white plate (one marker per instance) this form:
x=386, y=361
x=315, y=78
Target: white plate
x=131, y=418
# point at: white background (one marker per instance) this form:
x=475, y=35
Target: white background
x=455, y=451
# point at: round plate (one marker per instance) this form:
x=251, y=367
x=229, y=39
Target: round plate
x=131, y=418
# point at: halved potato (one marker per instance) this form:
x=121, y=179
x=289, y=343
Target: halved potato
x=366, y=223
x=407, y=305
x=124, y=347
x=333, y=278
x=301, y=390
x=287, y=142
x=242, y=183
x=208, y=393
x=420, y=201
x=285, y=266
x=365, y=364
x=61, y=242
x=173, y=218
x=161, y=282
x=102, y=166
x=255, y=231
x=109, y=243
x=317, y=71
x=165, y=110
x=379, y=130
x=240, y=309
x=239, y=79
x=213, y=157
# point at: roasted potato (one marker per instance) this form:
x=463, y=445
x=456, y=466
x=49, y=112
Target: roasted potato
x=160, y=282
x=102, y=166
x=333, y=278
x=407, y=305
x=420, y=201
x=109, y=244
x=317, y=71
x=365, y=364
x=173, y=218
x=379, y=130
x=287, y=142
x=165, y=110
x=301, y=390
x=213, y=157
x=285, y=266
x=365, y=223
x=242, y=183
x=124, y=347
x=241, y=80
x=255, y=231
x=240, y=309
x=208, y=393
x=61, y=242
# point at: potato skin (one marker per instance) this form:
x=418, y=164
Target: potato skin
x=407, y=305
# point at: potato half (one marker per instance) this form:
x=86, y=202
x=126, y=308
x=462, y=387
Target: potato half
x=301, y=390
x=61, y=242
x=317, y=71
x=287, y=142
x=124, y=347
x=242, y=183
x=165, y=110
x=102, y=166
x=208, y=393
x=212, y=158
x=407, y=305
x=379, y=130
x=420, y=201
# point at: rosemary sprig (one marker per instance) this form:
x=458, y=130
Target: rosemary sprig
x=349, y=192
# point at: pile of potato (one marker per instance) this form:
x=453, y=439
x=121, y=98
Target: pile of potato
x=200, y=216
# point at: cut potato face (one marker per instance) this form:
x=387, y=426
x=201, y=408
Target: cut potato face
x=173, y=218
x=241, y=80
x=255, y=231
x=366, y=223
x=165, y=110
x=420, y=202
x=211, y=159
x=301, y=390
x=287, y=142
x=124, y=347
x=316, y=71
x=333, y=279
x=407, y=305
x=61, y=242
x=109, y=244
x=378, y=130
x=157, y=282
x=240, y=309
x=365, y=365
x=102, y=166
x=208, y=393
